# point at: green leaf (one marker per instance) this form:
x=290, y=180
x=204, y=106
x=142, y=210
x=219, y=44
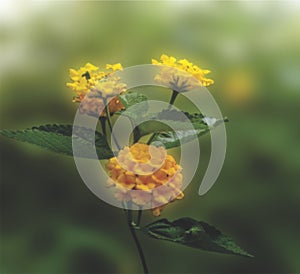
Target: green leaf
x=58, y=138
x=130, y=99
x=195, y=234
x=163, y=123
x=172, y=139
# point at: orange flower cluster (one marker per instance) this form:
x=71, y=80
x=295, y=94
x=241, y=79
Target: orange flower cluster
x=145, y=175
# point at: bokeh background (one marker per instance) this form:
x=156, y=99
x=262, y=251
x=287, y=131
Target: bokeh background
x=51, y=222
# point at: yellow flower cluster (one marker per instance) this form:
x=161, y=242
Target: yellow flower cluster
x=84, y=79
x=99, y=86
x=181, y=75
x=145, y=175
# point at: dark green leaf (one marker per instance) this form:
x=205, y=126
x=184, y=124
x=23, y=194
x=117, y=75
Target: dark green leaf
x=195, y=234
x=58, y=138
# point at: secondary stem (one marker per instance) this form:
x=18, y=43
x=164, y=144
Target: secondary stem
x=103, y=125
x=172, y=100
x=109, y=124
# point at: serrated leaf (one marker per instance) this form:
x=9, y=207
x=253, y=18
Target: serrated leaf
x=172, y=128
x=130, y=99
x=58, y=138
x=176, y=120
x=196, y=234
x=161, y=124
x=172, y=139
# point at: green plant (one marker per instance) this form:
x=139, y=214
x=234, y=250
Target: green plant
x=102, y=95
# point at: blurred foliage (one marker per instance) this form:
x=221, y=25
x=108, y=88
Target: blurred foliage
x=52, y=223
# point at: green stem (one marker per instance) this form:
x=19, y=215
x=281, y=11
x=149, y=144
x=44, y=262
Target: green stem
x=132, y=228
x=173, y=97
x=109, y=124
x=139, y=217
x=136, y=132
x=103, y=124
x=172, y=100
x=151, y=138
x=139, y=247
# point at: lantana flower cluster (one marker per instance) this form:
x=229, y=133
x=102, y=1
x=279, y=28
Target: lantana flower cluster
x=145, y=175
x=142, y=174
x=94, y=88
x=180, y=75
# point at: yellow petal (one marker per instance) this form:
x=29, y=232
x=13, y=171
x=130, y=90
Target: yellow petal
x=90, y=67
x=114, y=67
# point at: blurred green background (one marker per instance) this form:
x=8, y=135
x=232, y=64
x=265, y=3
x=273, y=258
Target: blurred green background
x=52, y=223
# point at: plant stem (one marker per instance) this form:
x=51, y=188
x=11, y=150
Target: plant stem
x=132, y=229
x=139, y=217
x=139, y=247
x=136, y=131
x=171, y=103
x=109, y=124
x=151, y=138
x=173, y=98
x=103, y=125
